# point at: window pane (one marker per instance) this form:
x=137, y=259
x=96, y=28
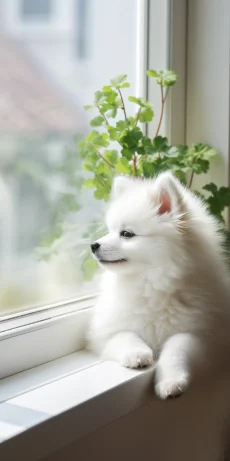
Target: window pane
x=47, y=220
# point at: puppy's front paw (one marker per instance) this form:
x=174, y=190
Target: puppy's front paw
x=172, y=387
x=139, y=357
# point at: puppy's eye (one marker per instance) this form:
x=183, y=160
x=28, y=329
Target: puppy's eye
x=127, y=234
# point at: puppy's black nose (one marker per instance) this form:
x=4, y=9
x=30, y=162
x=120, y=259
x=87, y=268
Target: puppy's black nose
x=94, y=247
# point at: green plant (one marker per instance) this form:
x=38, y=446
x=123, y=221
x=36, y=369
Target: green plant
x=135, y=153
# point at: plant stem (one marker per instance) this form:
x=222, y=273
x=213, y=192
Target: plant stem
x=192, y=174
x=103, y=115
x=137, y=116
x=135, y=165
x=123, y=104
x=101, y=182
x=191, y=179
x=163, y=99
x=106, y=161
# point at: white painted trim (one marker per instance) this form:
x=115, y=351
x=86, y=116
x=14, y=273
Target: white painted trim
x=37, y=336
x=42, y=342
x=177, y=61
x=35, y=377
x=13, y=324
x=158, y=22
x=167, y=21
x=208, y=84
x=83, y=402
x=142, y=47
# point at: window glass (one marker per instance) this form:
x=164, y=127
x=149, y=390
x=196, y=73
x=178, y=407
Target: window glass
x=47, y=220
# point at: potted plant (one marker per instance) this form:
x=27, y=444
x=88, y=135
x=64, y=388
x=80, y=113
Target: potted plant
x=118, y=144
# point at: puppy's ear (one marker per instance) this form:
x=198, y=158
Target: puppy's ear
x=120, y=184
x=169, y=195
x=165, y=202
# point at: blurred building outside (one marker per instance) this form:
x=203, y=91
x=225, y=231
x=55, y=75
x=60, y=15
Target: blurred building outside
x=53, y=55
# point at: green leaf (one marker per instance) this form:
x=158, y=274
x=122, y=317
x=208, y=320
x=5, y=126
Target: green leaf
x=111, y=156
x=180, y=174
x=176, y=152
x=146, y=115
x=107, y=89
x=127, y=153
x=91, y=161
x=112, y=112
x=122, y=125
x=98, y=98
x=123, y=167
x=89, y=268
x=98, y=139
x=118, y=81
x=164, y=77
x=97, y=121
x=89, y=167
x=110, y=94
x=152, y=73
x=102, y=168
x=146, y=141
x=172, y=152
x=147, y=170
x=135, y=100
x=125, y=85
x=140, y=102
x=200, y=166
x=160, y=143
x=203, y=151
x=99, y=194
x=211, y=187
x=132, y=121
x=89, y=184
x=224, y=196
x=219, y=200
x=113, y=133
x=89, y=107
x=83, y=148
x=131, y=138
x=153, y=165
x=146, y=146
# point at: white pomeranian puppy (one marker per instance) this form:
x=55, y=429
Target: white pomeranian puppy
x=165, y=288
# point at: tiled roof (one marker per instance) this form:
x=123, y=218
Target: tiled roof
x=29, y=103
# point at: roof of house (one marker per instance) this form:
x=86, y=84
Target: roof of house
x=29, y=103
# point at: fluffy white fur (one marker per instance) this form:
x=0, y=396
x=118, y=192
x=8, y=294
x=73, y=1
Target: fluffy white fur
x=165, y=290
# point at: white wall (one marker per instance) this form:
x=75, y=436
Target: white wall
x=208, y=78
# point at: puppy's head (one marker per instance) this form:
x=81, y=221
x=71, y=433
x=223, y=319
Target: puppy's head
x=145, y=221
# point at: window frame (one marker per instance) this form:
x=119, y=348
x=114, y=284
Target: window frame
x=69, y=318
x=37, y=337
x=168, y=30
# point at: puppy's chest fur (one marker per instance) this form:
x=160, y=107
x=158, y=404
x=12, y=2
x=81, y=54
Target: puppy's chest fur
x=154, y=315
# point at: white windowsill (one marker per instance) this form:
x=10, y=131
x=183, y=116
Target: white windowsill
x=42, y=335
x=64, y=400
